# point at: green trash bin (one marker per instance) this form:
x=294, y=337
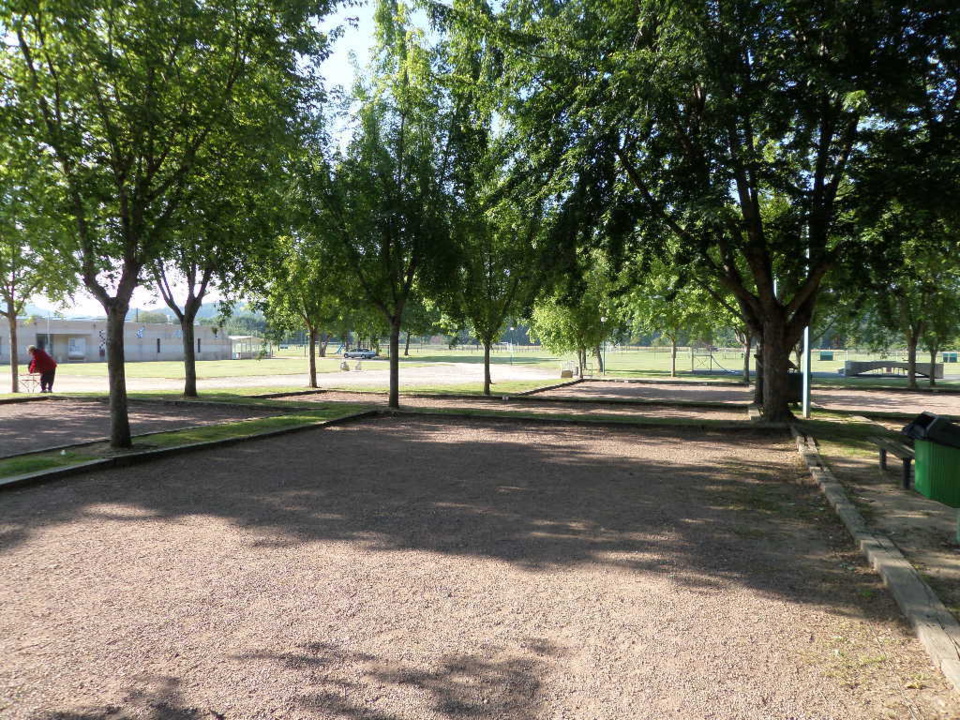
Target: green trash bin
x=937, y=472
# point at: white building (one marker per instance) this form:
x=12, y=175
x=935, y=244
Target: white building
x=85, y=341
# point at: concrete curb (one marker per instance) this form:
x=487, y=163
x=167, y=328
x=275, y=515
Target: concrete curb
x=936, y=628
x=27, y=397
x=135, y=458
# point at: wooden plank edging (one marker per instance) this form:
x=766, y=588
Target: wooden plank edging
x=935, y=626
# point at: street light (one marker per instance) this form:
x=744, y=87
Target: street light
x=512, y=339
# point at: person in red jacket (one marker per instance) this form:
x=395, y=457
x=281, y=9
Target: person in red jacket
x=41, y=362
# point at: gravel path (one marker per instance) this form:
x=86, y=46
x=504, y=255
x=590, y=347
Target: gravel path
x=25, y=427
x=407, y=569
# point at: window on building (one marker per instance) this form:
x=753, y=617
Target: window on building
x=158, y=346
x=198, y=346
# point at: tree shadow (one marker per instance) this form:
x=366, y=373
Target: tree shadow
x=537, y=496
x=498, y=684
x=334, y=683
x=155, y=698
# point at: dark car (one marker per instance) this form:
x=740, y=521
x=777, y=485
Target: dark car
x=360, y=353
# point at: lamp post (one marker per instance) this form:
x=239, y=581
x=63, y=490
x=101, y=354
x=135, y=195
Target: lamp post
x=513, y=338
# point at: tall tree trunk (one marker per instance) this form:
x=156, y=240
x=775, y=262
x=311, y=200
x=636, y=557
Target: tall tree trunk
x=673, y=356
x=758, y=382
x=776, y=364
x=394, y=401
x=599, y=356
x=406, y=348
x=486, y=366
x=189, y=356
x=747, y=346
x=312, y=332
x=913, y=340
x=934, y=349
x=116, y=371
x=324, y=340
x=14, y=360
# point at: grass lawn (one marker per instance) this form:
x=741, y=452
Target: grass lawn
x=626, y=363
x=173, y=370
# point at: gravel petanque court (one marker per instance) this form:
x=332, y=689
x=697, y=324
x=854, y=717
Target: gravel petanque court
x=39, y=425
x=408, y=568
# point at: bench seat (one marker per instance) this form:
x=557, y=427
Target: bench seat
x=898, y=448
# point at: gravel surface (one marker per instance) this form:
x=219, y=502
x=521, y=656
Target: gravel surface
x=901, y=401
x=531, y=405
x=405, y=568
x=25, y=427
x=653, y=392
x=845, y=399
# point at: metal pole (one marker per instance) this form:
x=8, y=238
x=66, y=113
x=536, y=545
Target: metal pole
x=806, y=371
x=806, y=358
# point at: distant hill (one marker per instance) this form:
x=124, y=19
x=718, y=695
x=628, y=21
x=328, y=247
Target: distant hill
x=207, y=310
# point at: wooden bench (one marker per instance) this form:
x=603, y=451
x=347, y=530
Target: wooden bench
x=898, y=448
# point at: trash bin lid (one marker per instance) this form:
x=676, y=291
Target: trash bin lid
x=927, y=426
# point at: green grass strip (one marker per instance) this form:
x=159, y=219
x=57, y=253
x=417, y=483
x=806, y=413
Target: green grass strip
x=38, y=463
x=246, y=428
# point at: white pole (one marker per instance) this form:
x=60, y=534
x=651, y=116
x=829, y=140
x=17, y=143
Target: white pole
x=806, y=359
x=806, y=371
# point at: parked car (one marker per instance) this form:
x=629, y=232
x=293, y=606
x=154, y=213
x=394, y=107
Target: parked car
x=360, y=353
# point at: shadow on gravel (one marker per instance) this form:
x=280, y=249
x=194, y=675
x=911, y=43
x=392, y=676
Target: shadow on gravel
x=157, y=698
x=460, y=686
x=538, y=496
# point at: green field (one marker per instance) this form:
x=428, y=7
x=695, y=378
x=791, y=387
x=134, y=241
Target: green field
x=621, y=362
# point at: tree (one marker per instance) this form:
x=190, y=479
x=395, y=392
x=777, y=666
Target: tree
x=730, y=125
x=226, y=227
x=420, y=317
x=303, y=292
x=124, y=98
x=384, y=201
x=29, y=232
x=914, y=272
x=580, y=316
x=497, y=223
x=666, y=302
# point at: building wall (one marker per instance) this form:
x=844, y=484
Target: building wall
x=85, y=341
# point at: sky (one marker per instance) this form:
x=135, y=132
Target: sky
x=337, y=71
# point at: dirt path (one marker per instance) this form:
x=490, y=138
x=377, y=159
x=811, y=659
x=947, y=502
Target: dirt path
x=406, y=569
